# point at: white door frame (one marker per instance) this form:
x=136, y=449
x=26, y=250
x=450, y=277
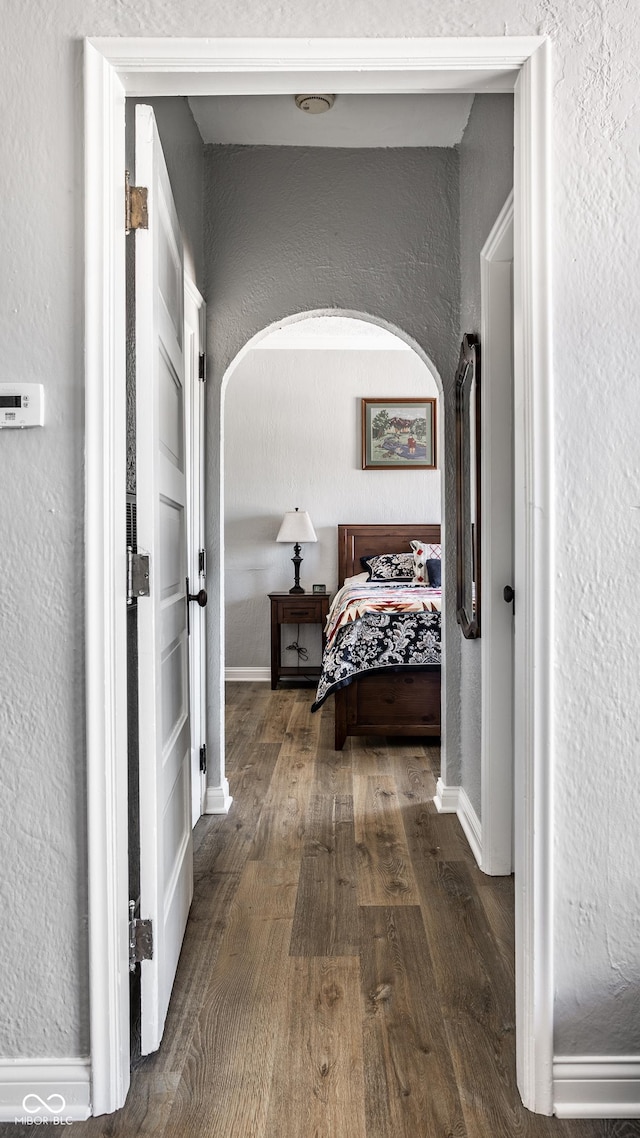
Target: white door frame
x=194, y=346
x=496, y=450
x=120, y=67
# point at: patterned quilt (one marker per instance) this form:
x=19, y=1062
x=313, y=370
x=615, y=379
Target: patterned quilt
x=374, y=627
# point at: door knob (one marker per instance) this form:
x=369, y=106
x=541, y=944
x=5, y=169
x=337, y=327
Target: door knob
x=200, y=597
x=510, y=596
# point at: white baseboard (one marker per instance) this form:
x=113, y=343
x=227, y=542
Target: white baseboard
x=455, y=800
x=471, y=825
x=217, y=799
x=40, y=1091
x=596, y=1086
x=446, y=798
x=248, y=675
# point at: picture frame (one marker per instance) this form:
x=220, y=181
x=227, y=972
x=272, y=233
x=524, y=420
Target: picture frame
x=399, y=434
x=319, y=588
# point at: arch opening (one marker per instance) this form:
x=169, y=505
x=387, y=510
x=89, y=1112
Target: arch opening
x=321, y=328
x=326, y=314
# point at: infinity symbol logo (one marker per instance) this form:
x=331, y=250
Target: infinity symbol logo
x=32, y=1103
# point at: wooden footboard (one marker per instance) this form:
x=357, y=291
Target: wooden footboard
x=398, y=703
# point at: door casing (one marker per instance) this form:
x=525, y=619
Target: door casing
x=194, y=341
x=119, y=67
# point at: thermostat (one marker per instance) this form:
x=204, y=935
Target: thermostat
x=21, y=405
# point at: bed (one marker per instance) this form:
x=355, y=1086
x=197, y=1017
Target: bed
x=394, y=700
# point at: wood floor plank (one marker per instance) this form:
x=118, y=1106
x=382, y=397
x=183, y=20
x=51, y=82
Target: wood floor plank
x=267, y=891
x=410, y=1084
x=372, y=752
x=274, y=725
x=497, y=899
x=155, y=1079
x=246, y=705
x=333, y=768
x=317, y=1089
x=477, y=1002
x=435, y=836
x=607, y=1128
x=326, y=921
x=280, y=831
x=149, y=1104
x=250, y=777
x=385, y=875
x=208, y=919
x=411, y=769
x=225, y=1084
x=226, y=847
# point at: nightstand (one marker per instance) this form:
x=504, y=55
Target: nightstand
x=296, y=608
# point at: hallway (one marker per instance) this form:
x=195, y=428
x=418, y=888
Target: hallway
x=347, y=970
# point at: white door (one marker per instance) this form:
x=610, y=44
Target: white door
x=166, y=857
x=194, y=354
x=497, y=477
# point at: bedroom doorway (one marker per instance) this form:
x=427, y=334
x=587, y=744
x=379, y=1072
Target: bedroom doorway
x=118, y=67
x=302, y=381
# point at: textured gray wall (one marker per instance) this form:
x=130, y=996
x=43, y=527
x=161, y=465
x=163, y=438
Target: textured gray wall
x=486, y=178
x=289, y=229
x=596, y=251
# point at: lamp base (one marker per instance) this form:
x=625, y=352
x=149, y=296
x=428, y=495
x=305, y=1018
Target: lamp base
x=297, y=587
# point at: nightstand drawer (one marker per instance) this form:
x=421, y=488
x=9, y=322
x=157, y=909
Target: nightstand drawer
x=297, y=612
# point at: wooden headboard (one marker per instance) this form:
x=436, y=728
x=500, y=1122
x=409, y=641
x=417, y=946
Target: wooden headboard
x=357, y=541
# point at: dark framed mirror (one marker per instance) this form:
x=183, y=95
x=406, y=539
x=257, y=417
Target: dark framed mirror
x=468, y=487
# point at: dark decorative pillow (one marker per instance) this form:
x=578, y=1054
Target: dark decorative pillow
x=434, y=572
x=389, y=566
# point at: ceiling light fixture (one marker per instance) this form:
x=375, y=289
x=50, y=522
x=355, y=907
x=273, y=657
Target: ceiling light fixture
x=315, y=104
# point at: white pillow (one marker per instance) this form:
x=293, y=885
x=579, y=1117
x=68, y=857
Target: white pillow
x=423, y=551
x=358, y=579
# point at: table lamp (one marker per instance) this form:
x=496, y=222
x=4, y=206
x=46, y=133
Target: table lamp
x=296, y=527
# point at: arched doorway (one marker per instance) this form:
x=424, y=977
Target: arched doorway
x=272, y=478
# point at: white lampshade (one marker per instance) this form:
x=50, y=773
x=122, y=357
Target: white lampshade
x=296, y=527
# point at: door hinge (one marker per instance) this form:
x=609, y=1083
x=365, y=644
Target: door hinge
x=140, y=938
x=137, y=575
x=203, y=759
x=202, y=367
x=136, y=214
x=202, y=562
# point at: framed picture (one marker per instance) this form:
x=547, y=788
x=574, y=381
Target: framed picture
x=319, y=588
x=399, y=434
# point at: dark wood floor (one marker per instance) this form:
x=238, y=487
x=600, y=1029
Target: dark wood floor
x=347, y=970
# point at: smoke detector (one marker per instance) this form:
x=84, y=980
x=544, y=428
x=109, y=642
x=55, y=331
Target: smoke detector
x=315, y=104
